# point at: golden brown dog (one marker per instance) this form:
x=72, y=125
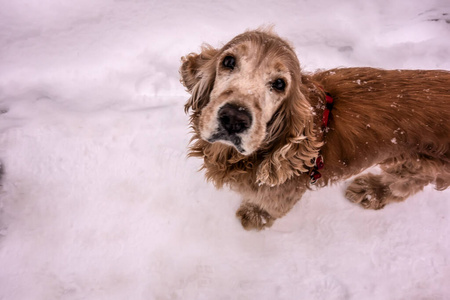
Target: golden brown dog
x=269, y=131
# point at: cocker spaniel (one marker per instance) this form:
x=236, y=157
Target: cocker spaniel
x=270, y=131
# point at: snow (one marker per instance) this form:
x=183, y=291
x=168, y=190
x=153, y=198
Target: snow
x=99, y=201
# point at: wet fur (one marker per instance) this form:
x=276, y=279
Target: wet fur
x=398, y=119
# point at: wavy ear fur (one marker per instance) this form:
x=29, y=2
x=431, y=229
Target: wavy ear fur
x=295, y=141
x=197, y=75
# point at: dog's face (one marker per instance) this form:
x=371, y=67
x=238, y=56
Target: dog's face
x=249, y=87
x=250, y=95
x=250, y=77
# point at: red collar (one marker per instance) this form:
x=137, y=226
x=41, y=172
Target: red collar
x=314, y=173
x=326, y=112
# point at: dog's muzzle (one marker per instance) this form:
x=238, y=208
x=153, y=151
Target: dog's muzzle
x=233, y=120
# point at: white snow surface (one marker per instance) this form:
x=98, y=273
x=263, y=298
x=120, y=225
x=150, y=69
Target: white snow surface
x=98, y=199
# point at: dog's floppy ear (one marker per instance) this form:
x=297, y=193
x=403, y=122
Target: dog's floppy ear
x=198, y=72
x=296, y=145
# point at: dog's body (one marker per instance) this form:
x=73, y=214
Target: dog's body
x=260, y=127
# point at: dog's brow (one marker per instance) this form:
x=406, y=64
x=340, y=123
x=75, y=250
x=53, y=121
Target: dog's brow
x=279, y=67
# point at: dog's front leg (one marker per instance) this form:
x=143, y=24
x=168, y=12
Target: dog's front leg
x=253, y=216
x=259, y=211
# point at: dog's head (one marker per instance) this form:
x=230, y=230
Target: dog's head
x=248, y=95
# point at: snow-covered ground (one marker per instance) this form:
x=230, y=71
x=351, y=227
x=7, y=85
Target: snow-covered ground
x=100, y=202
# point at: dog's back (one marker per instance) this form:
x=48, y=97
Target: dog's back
x=380, y=114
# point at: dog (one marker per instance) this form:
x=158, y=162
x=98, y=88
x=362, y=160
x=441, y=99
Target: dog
x=270, y=131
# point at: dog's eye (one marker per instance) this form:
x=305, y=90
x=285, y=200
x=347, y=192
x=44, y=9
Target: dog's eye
x=279, y=85
x=229, y=62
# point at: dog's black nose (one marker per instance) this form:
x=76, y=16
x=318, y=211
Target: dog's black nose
x=235, y=119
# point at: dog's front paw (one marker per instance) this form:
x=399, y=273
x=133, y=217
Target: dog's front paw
x=367, y=191
x=254, y=217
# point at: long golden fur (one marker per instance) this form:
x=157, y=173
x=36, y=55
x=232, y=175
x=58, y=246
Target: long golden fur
x=397, y=119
